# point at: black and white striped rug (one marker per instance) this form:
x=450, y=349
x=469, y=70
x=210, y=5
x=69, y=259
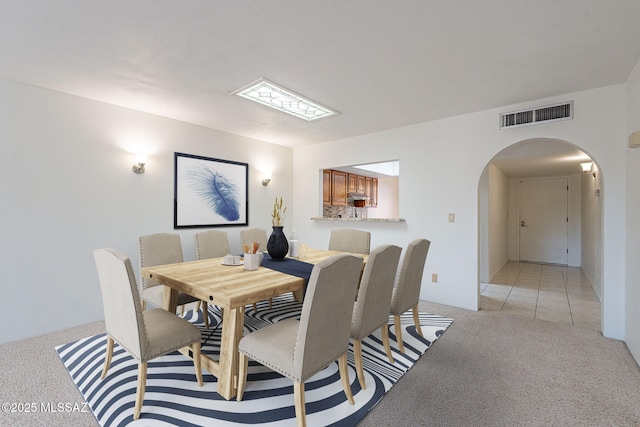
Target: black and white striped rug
x=173, y=396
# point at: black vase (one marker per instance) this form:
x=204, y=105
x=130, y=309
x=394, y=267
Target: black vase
x=277, y=246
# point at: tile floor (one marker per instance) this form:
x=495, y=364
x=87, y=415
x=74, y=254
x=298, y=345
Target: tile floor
x=541, y=291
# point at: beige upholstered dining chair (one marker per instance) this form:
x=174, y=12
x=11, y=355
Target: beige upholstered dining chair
x=144, y=334
x=211, y=244
x=298, y=349
x=160, y=249
x=371, y=309
x=347, y=240
x=406, y=294
x=255, y=235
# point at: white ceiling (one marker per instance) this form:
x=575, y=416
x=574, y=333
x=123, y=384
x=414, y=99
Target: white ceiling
x=540, y=157
x=382, y=64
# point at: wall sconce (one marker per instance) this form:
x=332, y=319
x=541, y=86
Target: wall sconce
x=587, y=168
x=266, y=178
x=141, y=160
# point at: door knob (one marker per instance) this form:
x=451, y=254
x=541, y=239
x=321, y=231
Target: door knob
x=523, y=224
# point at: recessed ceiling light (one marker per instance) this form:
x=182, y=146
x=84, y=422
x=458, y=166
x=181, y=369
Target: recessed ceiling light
x=270, y=94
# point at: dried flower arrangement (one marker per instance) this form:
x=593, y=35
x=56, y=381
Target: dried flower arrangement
x=278, y=213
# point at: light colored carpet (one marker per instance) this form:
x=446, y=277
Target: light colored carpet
x=496, y=369
x=492, y=369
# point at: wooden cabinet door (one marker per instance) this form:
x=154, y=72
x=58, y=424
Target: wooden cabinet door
x=373, y=197
x=367, y=189
x=339, y=188
x=353, y=183
x=362, y=184
x=326, y=188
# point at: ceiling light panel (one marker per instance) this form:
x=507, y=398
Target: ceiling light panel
x=270, y=94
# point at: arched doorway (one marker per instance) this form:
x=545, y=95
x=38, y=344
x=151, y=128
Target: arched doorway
x=507, y=282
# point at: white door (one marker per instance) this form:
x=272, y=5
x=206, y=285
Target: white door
x=544, y=225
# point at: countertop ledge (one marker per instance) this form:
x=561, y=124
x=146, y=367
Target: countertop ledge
x=359, y=219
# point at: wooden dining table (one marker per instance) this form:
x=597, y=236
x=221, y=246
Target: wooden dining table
x=231, y=288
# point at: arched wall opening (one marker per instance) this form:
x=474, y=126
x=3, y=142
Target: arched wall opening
x=498, y=206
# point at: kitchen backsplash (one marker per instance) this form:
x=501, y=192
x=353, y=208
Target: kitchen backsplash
x=344, y=212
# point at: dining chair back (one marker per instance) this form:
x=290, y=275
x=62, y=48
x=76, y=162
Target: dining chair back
x=254, y=235
x=371, y=309
x=211, y=244
x=348, y=240
x=298, y=349
x=144, y=334
x=160, y=249
x=406, y=293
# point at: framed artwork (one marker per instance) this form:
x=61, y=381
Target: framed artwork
x=210, y=192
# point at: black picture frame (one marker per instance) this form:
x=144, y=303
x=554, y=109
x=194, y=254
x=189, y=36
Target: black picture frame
x=210, y=192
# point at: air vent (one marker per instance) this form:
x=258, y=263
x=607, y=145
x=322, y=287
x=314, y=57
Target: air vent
x=533, y=116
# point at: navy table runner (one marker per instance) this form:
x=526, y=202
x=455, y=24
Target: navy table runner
x=289, y=266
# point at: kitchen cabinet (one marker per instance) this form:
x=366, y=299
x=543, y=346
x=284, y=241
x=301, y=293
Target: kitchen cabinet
x=373, y=192
x=339, y=188
x=361, y=184
x=326, y=188
x=353, y=183
x=337, y=185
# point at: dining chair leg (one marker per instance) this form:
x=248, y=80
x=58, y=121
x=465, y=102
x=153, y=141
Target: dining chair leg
x=143, y=303
x=107, y=357
x=384, y=331
x=344, y=377
x=255, y=308
x=357, y=355
x=142, y=384
x=243, y=366
x=396, y=321
x=205, y=313
x=270, y=303
x=416, y=319
x=196, y=348
x=298, y=396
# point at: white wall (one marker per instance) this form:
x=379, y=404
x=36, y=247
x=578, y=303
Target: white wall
x=442, y=162
x=592, y=230
x=633, y=215
x=387, y=198
x=498, y=223
x=575, y=221
x=67, y=188
x=484, y=276
x=493, y=222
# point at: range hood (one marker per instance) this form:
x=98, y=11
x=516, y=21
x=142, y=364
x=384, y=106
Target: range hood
x=358, y=200
x=357, y=196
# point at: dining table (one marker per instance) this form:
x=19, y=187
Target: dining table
x=231, y=287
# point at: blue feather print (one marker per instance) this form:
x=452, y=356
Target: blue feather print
x=217, y=191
